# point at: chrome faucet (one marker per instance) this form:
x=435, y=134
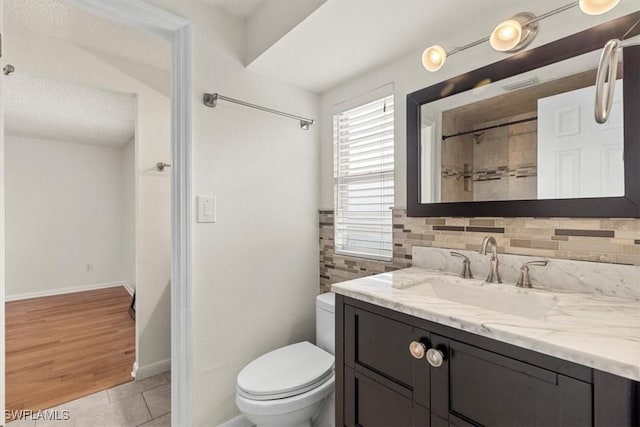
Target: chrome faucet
x=494, y=275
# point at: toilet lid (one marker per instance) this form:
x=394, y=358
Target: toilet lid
x=286, y=372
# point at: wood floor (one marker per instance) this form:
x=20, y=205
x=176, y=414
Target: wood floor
x=63, y=347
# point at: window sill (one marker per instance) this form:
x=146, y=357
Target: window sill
x=363, y=256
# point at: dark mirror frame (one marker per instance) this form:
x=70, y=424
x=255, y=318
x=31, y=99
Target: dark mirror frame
x=586, y=41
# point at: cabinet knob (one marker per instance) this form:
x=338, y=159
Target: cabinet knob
x=417, y=349
x=435, y=357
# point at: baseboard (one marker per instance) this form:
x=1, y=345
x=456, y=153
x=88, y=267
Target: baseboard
x=142, y=372
x=130, y=288
x=62, y=291
x=134, y=370
x=239, y=421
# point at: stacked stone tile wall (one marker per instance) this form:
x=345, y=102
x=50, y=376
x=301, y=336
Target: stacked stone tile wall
x=603, y=240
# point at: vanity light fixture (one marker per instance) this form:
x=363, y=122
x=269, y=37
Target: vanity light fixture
x=513, y=34
x=597, y=7
x=434, y=57
x=506, y=35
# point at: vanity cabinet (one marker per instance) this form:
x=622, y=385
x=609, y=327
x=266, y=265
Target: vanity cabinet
x=479, y=381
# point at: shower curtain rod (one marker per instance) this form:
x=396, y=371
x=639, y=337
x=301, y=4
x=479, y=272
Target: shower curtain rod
x=515, y=122
x=211, y=100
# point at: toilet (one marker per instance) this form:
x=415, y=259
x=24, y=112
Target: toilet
x=293, y=386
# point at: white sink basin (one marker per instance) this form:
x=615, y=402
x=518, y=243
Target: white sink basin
x=496, y=297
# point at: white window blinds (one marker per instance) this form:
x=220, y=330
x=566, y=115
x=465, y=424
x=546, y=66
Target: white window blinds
x=363, y=172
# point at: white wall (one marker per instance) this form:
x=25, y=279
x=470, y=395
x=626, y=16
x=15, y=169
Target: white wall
x=128, y=159
x=63, y=211
x=60, y=60
x=255, y=271
x=408, y=75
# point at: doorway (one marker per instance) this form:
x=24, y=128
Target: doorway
x=137, y=14
x=70, y=181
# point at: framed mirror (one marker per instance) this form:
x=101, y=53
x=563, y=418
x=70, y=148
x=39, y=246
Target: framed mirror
x=519, y=137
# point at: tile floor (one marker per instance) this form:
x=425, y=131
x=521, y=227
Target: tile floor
x=144, y=403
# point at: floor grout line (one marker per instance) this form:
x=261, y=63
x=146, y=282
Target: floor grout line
x=147, y=406
x=145, y=402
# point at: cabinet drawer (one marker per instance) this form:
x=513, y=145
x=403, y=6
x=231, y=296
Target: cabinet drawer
x=380, y=344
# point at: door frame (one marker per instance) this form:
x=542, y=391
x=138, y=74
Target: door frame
x=176, y=29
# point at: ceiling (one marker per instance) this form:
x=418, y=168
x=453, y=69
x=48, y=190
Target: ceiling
x=343, y=39
x=37, y=107
x=332, y=44
x=59, y=20
x=50, y=109
x=238, y=8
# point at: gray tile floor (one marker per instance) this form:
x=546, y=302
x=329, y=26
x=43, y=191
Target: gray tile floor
x=144, y=403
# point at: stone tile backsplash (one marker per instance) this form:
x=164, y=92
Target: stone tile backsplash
x=602, y=240
x=602, y=278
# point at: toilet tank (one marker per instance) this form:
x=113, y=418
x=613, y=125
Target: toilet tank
x=325, y=322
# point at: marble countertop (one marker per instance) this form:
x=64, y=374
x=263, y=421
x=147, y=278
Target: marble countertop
x=598, y=331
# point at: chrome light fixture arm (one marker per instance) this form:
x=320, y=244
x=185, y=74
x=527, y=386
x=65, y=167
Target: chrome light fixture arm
x=606, y=77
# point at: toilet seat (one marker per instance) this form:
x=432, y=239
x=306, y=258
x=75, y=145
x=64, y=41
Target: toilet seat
x=288, y=405
x=285, y=372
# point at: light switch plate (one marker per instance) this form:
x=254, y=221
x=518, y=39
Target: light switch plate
x=206, y=209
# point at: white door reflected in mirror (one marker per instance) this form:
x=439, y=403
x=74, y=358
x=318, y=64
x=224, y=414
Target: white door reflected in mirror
x=578, y=157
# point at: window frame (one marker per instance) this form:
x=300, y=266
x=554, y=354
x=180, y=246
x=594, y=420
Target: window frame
x=376, y=95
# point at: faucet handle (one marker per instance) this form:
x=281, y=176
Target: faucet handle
x=466, y=265
x=524, y=281
x=458, y=254
x=541, y=262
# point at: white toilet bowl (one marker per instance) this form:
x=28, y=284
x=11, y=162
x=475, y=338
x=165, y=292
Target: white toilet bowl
x=293, y=386
x=294, y=411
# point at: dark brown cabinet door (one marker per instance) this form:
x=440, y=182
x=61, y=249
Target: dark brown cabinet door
x=374, y=402
x=477, y=387
x=383, y=384
x=379, y=344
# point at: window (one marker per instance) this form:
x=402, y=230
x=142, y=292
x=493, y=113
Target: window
x=363, y=173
